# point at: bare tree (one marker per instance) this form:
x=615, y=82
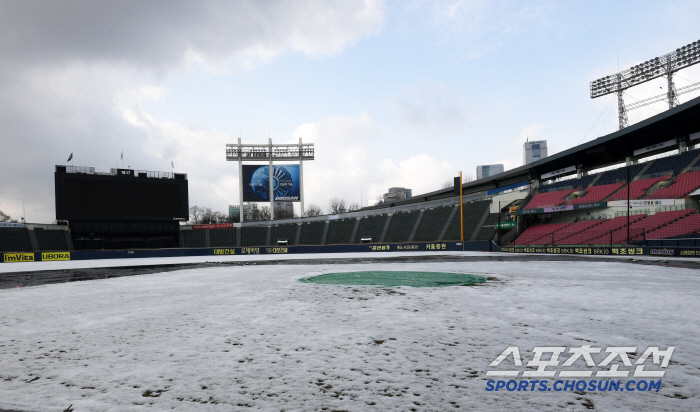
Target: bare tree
x=353, y=207
x=195, y=214
x=314, y=210
x=337, y=205
x=4, y=217
x=448, y=184
x=264, y=214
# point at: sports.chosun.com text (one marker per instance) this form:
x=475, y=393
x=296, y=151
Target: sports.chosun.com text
x=544, y=385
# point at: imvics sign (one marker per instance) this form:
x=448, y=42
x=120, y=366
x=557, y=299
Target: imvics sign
x=285, y=183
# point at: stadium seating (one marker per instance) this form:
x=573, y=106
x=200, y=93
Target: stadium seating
x=540, y=234
x=637, y=189
x=688, y=225
x=312, y=233
x=401, y=226
x=371, y=226
x=50, y=240
x=472, y=213
x=193, y=238
x=596, y=194
x=15, y=239
x=222, y=237
x=287, y=231
x=671, y=164
x=600, y=234
x=619, y=175
x=340, y=231
x=562, y=237
x=568, y=184
x=488, y=230
x=432, y=223
x=254, y=236
x=549, y=199
x=684, y=184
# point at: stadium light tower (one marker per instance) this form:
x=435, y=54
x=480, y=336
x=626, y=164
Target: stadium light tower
x=666, y=65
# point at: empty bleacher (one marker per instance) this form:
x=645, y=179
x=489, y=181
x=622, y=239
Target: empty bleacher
x=685, y=226
x=596, y=193
x=340, y=231
x=682, y=186
x=287, y=231
x=312, y=233
x=15, y=239
x=51, y=240
x=540, y=234
x=637, y=189
x=671, y=164
x=549, y=199
x=254, y=236
x=401, y=226
x=371, y=226
x=619, y=175
x=472, y=213
x=193, y=238
x=569, y=232
x=488, y=229
x=432, y=223
x=222, y=237
x=568, y=184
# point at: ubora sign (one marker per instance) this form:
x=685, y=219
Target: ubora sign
x=18, y=257
x=55, y=256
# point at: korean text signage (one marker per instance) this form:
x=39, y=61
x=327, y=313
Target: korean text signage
x=505, y=225
x=285, y=184
x=585, y=368
x=213, y=226
x=639, y=203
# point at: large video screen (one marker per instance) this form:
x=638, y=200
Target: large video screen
x=256, y=183
x=100, y=197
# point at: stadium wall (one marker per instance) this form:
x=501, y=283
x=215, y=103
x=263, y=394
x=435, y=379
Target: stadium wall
x=437, y=247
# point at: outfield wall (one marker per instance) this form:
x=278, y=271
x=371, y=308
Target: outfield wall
x=484, y=246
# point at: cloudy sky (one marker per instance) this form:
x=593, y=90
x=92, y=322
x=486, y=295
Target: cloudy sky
x=398, y=93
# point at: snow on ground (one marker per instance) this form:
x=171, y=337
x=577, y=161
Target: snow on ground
x=252, y=337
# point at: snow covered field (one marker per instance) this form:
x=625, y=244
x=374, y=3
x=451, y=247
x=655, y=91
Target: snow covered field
x=252, y=337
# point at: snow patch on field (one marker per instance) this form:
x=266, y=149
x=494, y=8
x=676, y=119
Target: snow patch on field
x=233, y=338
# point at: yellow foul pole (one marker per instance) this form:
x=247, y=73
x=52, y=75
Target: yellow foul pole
x=461, y=214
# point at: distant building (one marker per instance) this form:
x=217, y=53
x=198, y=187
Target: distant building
x=534, y=151
x=283, y=210
x=234, y=213
x=483, y=171
x=397, y=193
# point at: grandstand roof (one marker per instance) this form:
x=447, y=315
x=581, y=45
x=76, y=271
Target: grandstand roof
x=607, y=150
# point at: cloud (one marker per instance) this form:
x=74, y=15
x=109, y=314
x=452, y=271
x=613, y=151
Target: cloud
x=482, y=26
x=162, y=34
x=433, y=107
x=358, y=167
x=75, y=76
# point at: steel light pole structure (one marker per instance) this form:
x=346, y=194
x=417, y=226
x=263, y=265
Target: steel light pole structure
x=666, y=65
x=270, y=152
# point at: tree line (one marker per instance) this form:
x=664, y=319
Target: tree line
x=207, y=216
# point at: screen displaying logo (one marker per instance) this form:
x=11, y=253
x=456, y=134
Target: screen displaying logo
x=285, y=183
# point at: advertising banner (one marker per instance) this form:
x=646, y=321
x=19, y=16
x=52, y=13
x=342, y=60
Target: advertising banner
x=256, y=183
x=639, y=203
x=213, y=226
